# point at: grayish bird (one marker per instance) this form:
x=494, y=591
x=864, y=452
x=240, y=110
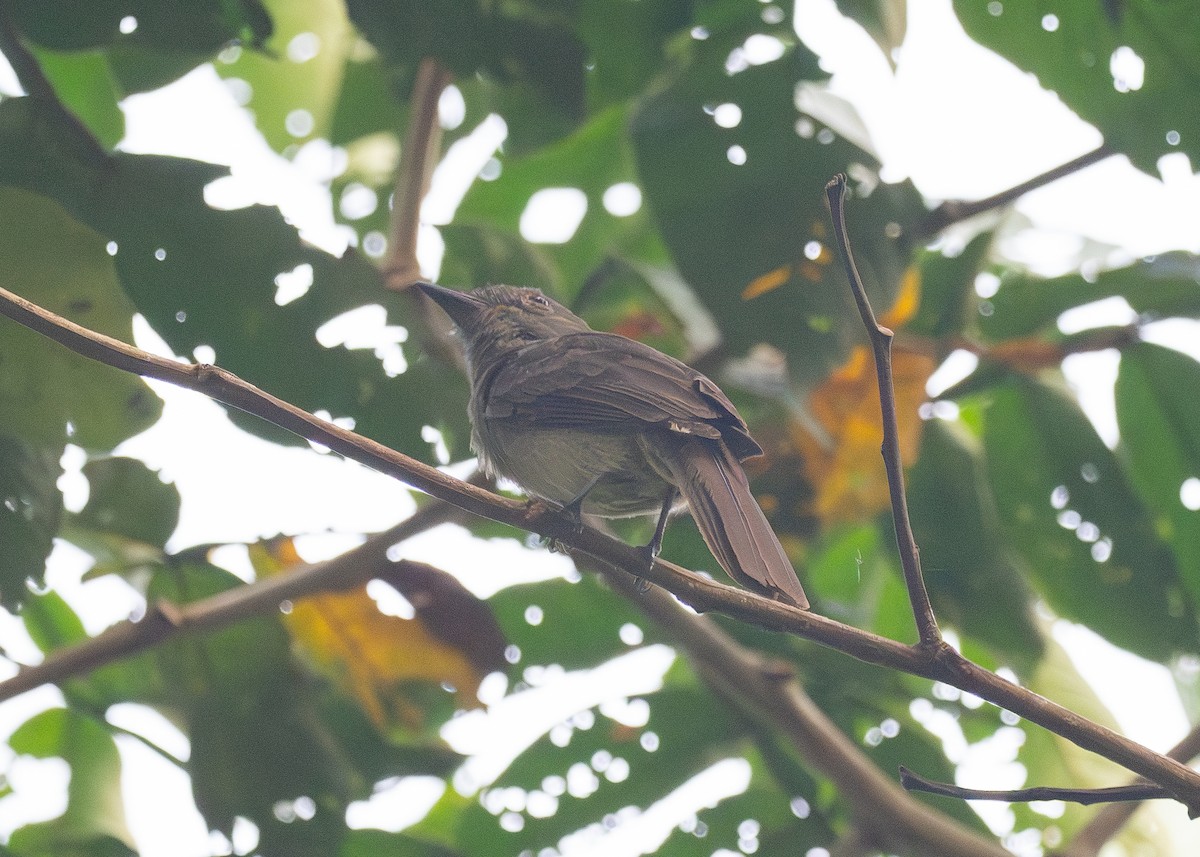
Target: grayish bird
x=604, y=425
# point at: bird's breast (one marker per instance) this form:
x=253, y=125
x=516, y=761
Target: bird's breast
x=559, y=464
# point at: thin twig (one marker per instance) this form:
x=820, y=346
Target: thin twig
x=956, y=211
x=1087, y=797
x=1107, y=823
x=939, y=662
x=881, y=346
x=418, y=156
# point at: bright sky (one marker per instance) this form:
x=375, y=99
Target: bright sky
x=1002, y=129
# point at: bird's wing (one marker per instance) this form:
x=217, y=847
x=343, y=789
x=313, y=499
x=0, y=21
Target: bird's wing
x=590, y=380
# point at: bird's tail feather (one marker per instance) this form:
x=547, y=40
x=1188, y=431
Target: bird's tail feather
x=730, y=520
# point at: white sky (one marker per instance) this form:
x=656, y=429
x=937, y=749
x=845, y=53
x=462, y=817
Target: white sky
x=1002, y=129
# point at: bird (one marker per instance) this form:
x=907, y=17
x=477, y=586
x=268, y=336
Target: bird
x=596, y=423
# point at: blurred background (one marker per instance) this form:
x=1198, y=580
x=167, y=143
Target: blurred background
x=253, y=183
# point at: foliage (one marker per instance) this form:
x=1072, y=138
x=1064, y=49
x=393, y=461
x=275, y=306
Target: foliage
x=1020, y=507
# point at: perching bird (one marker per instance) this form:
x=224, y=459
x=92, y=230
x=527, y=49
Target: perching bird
x=604, y=425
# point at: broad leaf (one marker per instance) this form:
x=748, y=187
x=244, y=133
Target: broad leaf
x=30, y=510
x=971, y=572
x=1083, y=533
x=1124, y=67
x=1161, y=286
x=94, y=821
x=47, y=393
x=1160, y=431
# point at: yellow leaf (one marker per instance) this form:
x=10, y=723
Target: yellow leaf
x=374, y=657
x=845, y=468
x=767, y=282
x=907, y=301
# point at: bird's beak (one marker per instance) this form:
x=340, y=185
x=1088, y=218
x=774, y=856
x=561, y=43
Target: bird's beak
x=463, y=307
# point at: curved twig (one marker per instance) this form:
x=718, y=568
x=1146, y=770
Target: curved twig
x=881, y=347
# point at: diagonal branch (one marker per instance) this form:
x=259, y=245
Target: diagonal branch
x=938, y=662
x=955, y=211
x=164, y=619
x=760, y=690
x=1105, y=824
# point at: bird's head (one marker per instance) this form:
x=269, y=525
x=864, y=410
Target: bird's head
x=496, y=319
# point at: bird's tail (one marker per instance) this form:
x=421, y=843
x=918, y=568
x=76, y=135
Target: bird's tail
x=730, y=520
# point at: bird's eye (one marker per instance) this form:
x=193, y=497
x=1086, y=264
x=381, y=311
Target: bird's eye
x=526, y=335
x=540, y=300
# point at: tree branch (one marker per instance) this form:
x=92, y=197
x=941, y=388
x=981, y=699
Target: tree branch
x=881, y=347
x=955, y=211
x=1108, y=822
x=418, y=156
x=165, y=619
x=938, y=662
x=767, y=692
x=1136, y=792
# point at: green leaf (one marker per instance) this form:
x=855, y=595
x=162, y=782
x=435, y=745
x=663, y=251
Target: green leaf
x=1072, y=52
x=1161, y=286
x=514, y=55
x=753, y=239
x=972, y=574
x=1085, y=535
x=1160, y=432
x=180, y=25
x=208, y=277
x=48, y=394
x=948, y=289
x=30, y=510
x=885, y=20
x=591, y=160
x=298, y=72
x=53, y=625
x=94, y=821
x=690, y=728
x=628, y=50
x=84, y=84
x=377, y=843
x=574, y=625
x=129, y=499
x=249, y=716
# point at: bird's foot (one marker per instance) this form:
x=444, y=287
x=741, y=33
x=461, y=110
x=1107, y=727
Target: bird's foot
x=574, y=511
x=649, y=554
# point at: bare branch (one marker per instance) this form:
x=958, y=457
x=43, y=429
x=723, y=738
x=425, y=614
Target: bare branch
x=164, y=619
x=418, y=156
x=881, y=346
x=955, y=211
x=1087, y=797
x=767, y=692
x=938, y=662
